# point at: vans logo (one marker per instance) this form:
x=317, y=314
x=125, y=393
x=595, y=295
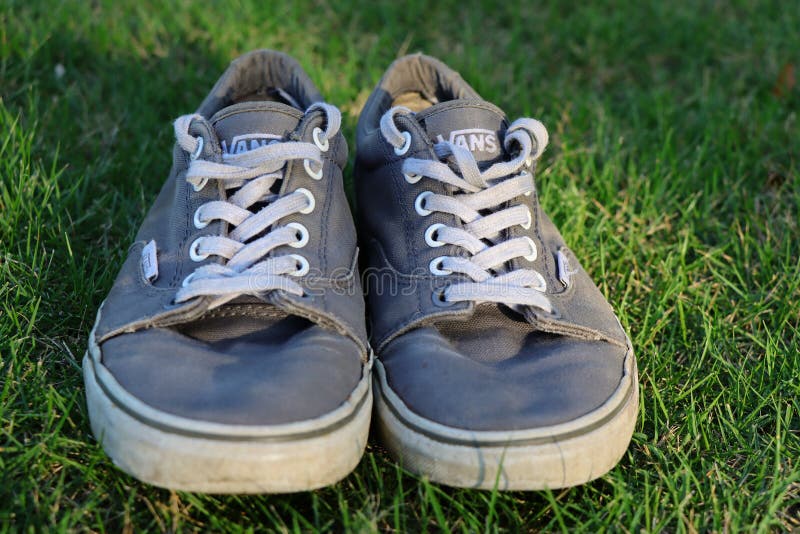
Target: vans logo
x=246, y=142
x=474, y=140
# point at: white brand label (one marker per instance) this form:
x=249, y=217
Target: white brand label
x=474, y=140
x=246, y=142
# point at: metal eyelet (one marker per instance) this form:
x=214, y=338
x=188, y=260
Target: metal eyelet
x=412, y=178
x=527, y=224
x=196, y=154
x=198, y=222
x=440, y=300
x=535, y=252
x=201, y=185
x=320, y=140
x=525, y=173
x=401, y=150
x=193, y=252
x=302, y=265
x=420, y=201
x=429, y=235
x=542, y=287
x=316, y=175
x=435, y=267
x=303, y=231
x=199, y=149
x=311, y=201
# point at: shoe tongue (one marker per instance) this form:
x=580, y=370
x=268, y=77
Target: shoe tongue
x=472, y=124
x=248, y=125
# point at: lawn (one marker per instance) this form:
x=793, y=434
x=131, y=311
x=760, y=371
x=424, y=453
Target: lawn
x=672, y=171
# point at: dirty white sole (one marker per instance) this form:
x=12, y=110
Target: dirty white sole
x=177, y=453
x=553, y=457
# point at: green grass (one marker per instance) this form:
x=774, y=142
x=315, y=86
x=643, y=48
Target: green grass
x=672, y=171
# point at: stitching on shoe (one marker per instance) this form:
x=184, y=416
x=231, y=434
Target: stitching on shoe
x=323, y=251
x=397, y=189
x=179, y=261
x=245, y=310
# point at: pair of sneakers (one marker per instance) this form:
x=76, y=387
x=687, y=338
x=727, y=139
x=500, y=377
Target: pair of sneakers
x=232, y=355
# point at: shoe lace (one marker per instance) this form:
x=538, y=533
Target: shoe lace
x=247, y=267
x=477, y=202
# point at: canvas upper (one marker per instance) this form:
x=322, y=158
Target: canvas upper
x=226, y=330
x=517, y=336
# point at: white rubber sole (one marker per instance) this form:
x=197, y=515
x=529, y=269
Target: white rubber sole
x=554, y=457
x=177, y=453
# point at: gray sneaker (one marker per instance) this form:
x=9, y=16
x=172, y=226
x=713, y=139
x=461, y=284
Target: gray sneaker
x=231, y=352
x=499, y=361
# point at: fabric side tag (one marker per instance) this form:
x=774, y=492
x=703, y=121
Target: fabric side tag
x=150, y=261
x=564, y=272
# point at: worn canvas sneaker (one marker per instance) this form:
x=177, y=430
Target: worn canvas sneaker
x=231, y=353
x=499, y=361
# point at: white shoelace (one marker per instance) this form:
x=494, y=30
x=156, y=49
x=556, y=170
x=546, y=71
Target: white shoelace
x=481, y=236
x=247, y=267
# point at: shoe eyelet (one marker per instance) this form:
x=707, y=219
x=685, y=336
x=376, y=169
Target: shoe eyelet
x=302, y=240
x=542, y=287
x=412, y=178
x=527, y=224
x=440, y=299
x=430, y=238
x=419, y=203
x=526, y=173
x=198, y=186
x=535, y=252
x=436, y=268
x=302, y=265
x=401, y=150
x=198, y=222
x=320, y=140
x=311, y=201
x=194, y=254
x=316, y=175
x=199, y=149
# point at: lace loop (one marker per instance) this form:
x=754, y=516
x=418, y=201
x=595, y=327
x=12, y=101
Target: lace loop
x=389, y=129
x=333, y=122
x=247, y=266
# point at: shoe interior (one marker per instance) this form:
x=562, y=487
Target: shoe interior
x=269, y=94
x=228, y=323
x=493, y=335
x=416, y=82
x=413, y=100
x=263, y=75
